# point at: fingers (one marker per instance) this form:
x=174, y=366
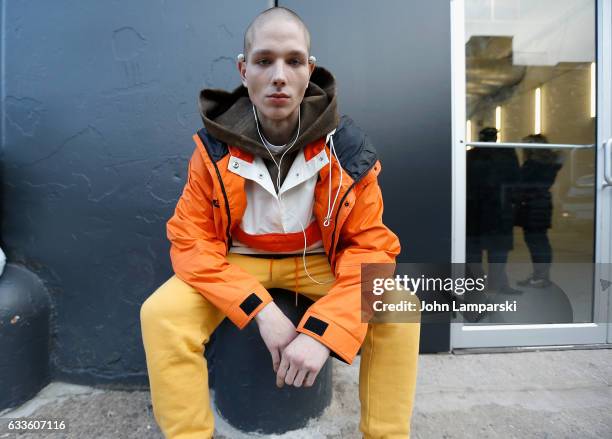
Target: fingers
x=275, y=359
x=310, y=379
x=291, y=373
x=282, y=372
x=299, y=379
x=301, y=362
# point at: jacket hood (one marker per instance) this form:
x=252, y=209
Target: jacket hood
x=228, y=116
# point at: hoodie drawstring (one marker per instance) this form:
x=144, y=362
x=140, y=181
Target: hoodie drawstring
x=332, y=153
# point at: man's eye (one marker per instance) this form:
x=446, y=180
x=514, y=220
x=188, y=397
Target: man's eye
x=263, y=62
x=295, y=62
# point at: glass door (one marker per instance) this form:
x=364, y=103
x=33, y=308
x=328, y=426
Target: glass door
x=532, y=168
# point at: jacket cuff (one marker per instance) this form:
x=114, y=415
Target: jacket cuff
x=342, y=344
x=246, y=307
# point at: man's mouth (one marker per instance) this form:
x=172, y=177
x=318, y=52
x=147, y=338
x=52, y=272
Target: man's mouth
x=278, y=98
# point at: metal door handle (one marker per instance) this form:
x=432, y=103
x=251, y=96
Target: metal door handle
x=607, y=150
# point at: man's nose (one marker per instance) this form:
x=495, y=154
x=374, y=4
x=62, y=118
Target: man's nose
x=279, y=78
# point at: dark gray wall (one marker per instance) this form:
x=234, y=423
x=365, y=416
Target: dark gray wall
x=100, y=106
x=392, y=63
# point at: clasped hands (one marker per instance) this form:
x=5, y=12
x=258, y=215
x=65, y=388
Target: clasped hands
x=296, y=358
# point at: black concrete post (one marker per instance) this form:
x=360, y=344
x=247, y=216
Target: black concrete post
x=245, y=384
x=24, y=336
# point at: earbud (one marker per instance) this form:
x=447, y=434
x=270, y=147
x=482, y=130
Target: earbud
x=240, y=57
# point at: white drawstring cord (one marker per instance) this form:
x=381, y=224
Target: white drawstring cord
x=332, y=152
x=326, y=221
x=327, y=218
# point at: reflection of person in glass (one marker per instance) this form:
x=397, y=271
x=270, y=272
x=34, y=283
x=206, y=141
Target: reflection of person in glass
x=534, y=211
x=492, y=175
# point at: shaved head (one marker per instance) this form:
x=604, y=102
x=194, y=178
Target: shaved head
x=273, y=14
x=276, y=69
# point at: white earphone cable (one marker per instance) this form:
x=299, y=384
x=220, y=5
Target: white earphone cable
x=278, y=198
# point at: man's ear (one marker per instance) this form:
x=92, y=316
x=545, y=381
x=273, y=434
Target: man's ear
x=311, y=67
x=241, y=65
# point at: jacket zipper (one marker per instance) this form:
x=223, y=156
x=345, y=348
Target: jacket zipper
x=332, y=248
x=227, y=208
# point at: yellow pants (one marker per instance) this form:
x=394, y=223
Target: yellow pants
x=177, y=322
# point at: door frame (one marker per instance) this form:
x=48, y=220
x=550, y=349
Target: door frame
x=483, y=336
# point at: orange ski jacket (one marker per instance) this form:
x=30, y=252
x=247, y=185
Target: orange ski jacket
x=211, y=207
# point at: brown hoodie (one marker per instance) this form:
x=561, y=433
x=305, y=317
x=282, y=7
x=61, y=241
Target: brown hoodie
x=228, y=116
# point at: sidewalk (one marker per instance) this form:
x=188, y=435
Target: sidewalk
x=550, y=394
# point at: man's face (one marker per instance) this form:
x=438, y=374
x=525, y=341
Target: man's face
x=276, y=71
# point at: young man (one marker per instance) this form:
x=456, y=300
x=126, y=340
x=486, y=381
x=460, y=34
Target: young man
x=276, y=173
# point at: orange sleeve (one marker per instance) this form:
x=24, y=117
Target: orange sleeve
x=335, y=319
x=198, y=254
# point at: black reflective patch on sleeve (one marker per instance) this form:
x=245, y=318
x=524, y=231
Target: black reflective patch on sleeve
x=315, y=325
x=249, y=304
